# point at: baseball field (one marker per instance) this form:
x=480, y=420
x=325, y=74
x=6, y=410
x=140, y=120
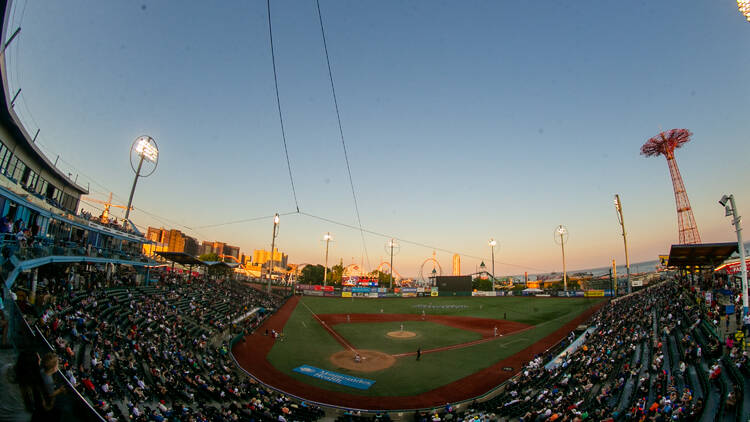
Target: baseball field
x=410, y=352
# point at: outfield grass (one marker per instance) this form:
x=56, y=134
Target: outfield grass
x=429, y=335
x=528, y=310
x=308, y=343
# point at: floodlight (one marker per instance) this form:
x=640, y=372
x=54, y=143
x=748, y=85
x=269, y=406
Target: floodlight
x=724, y=199
x=744, y=8
x=147, y=149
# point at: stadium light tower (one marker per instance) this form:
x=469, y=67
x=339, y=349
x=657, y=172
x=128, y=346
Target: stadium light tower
x=561, y=236
x=727, y=201
x=492, y=243
x=391, y=245
x=144, y=148
x=327, y=238
x=618, y=208
x=273, y=244
x=744, y=7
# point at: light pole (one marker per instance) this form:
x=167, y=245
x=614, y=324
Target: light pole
x=392, y=244
x=145, y=148
x=561, y=236
x=327, y=238
x=731, y=211
x=493, y=242
x=618, y=208
x=273, y=243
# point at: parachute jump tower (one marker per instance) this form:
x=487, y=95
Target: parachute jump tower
x=664, y=144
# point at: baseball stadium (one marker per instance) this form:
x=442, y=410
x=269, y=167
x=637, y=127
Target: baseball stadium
x=376, y=139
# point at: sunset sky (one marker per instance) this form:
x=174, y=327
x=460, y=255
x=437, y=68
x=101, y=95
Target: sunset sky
x=464, y=121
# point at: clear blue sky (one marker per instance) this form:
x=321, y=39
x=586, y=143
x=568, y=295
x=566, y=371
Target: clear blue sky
x=464, y=120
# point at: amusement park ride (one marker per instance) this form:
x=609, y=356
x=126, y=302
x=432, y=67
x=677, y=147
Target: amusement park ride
x=664, y=144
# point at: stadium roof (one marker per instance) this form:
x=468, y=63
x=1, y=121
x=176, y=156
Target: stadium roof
x=700, y=255
x=180, y=258
x=221, y=264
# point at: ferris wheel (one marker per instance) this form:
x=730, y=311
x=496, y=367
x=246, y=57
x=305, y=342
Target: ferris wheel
x=433, y=268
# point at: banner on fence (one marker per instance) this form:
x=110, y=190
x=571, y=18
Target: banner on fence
x=408, y=292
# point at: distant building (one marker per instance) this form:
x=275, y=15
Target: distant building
x=191, y=246
x=262, y=257
x=456, y=264
x=212, y=247
x=157, y=235
x=233, y=251
x=173, y=240
x=221, y=248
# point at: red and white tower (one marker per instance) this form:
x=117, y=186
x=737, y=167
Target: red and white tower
x=664, y=144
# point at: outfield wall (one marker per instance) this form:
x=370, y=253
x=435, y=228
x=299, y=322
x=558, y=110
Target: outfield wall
x=375, y=292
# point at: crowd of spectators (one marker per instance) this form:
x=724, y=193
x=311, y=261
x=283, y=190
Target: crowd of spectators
x=151, y=353
x=651, y=356
x=160, y=352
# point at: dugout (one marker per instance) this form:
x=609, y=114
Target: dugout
x=454, y=285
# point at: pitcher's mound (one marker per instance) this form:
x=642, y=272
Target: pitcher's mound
x=401, y=334
x=370, y=360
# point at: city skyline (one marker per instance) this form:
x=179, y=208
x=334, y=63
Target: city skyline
x=463, y=123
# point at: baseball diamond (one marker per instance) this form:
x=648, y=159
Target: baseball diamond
x=460, y=358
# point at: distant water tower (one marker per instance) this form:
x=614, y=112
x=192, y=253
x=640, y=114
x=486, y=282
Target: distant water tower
x=456, y=264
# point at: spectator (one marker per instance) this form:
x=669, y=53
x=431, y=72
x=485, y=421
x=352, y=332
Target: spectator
x=24, y=395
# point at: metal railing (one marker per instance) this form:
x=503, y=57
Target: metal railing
x=41, y=247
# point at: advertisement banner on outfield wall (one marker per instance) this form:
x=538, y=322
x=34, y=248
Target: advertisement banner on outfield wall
x=361, y=290
x=382, y=290
x=374, y=294
x=434, y=292
x=580, y=293
x=408, y=292
x=344, y=293
x=594, y=293
x=329, y=293
x=313, y=293
x=382, y=294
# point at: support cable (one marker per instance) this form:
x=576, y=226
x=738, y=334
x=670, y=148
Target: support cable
x=246, y=220
x=278, y=104
x=341, y=132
